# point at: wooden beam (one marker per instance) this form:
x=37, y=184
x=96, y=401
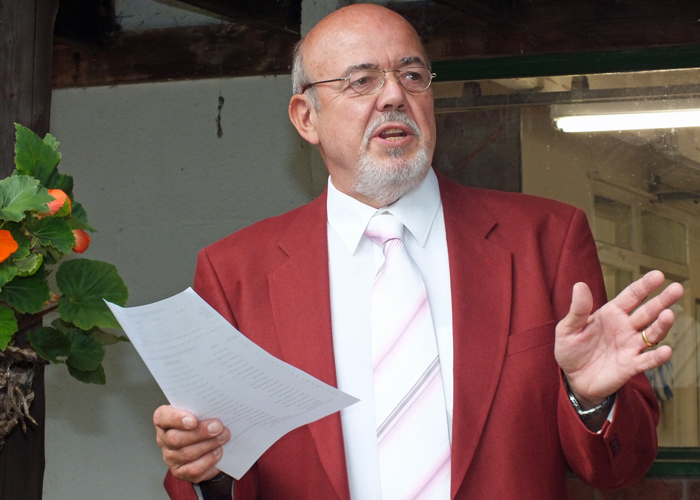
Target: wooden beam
x=175, y=53
x=270, y=15
x=450, y=29
x=454, y=29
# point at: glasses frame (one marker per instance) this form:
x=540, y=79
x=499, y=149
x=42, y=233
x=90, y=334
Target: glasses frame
x=385, y=71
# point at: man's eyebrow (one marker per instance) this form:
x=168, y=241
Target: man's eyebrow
x=355, y=67
x=413, y=60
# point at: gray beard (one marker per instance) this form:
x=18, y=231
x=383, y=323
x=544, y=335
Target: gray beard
x=385, y=181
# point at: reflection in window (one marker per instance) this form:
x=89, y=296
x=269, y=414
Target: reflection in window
x=663, y=238
x=615, y=279
x=613, y=222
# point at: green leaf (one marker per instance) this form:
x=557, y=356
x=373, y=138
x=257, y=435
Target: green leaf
x=20, y=193
x=8, y=270
x=50, y=344
x=96, y=376
x=52, y=231
x=61, y=326
x=22, y=240
x=78, y=219
x=51, y=255
x=107, y=338
x=26, y=294
x=85, y=283
x=86, y=352
x=64, y=210
x=8, y=326
x=104, y=337
x=62, y=182
x=30, y=265
x=51, y=141
x=35, y=157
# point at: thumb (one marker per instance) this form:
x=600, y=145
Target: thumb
x=580, y=310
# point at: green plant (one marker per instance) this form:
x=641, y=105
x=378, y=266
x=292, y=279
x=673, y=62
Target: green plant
x=40, y=224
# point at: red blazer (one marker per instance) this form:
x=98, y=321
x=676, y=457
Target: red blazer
x=513, y=262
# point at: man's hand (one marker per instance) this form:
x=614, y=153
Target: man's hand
x=190, y=448
x=600, y=352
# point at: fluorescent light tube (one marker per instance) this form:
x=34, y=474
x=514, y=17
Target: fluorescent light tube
x=629, y=121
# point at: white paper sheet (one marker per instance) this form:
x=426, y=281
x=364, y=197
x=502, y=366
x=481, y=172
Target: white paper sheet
x=204, y=365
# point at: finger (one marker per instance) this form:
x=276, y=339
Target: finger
x=657, y=332
x=648, y=313
x=636, y=293
x=175, y=439
x=580, y=310
x=167, y=417
x=178, y=457
x=653, y=358
x=202, y=469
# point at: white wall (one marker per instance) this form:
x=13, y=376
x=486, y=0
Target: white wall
x=158, y=184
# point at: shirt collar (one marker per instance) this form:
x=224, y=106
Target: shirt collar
x=349, y=217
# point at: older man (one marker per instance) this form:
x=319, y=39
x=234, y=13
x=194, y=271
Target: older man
x=503, y=405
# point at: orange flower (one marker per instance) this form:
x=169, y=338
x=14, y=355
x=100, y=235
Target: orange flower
x=8, y=245
x=82, y=240
x=59, y=200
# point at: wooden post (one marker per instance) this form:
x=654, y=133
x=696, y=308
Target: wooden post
x=26, y=39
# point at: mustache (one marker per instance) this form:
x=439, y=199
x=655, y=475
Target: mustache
x=391, y=116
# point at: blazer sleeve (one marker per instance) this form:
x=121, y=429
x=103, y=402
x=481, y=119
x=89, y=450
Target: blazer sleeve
x=626, y=447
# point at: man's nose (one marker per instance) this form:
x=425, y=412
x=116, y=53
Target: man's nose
x=392, y=95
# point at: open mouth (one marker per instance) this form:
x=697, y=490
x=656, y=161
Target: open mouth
x=393, y=134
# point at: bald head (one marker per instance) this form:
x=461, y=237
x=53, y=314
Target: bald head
x=378, y=144
x=341, y=30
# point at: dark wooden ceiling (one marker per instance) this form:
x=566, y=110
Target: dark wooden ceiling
x=257, y=36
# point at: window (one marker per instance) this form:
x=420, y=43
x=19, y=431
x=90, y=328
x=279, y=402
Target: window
x=640, y=188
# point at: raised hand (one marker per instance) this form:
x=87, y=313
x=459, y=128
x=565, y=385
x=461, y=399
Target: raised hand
x=600, y=352
x=190, y=448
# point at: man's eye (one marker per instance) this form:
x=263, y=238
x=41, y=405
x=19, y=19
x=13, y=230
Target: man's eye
x=362, y=81
x=413, y=76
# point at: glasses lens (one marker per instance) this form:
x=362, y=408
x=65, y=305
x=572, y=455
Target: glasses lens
x=366, y=81
x=415, y=79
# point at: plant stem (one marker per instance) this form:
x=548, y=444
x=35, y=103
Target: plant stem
x=36, y=316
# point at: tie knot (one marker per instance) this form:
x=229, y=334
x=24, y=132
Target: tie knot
x=384, y=227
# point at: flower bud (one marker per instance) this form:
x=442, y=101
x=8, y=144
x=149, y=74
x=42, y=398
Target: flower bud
x=82, y=240
x=8, y=245
x=60, y=202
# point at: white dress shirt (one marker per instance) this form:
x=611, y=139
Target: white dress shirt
x=353, y=262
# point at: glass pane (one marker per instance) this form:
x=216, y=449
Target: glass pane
x=663, y=238
x=612, y=222
x=616, y=279
x=675, y=383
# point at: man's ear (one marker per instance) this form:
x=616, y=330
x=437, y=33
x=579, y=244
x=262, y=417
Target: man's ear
x=302, y=114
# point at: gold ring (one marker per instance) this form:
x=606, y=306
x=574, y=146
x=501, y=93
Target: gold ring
x=646, y=340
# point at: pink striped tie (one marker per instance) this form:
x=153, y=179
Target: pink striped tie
x=414, y=447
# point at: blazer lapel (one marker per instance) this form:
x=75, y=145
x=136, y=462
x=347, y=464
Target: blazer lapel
x=481, y=282
x=300, y=298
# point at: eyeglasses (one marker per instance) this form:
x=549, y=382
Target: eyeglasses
x=369, y=81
